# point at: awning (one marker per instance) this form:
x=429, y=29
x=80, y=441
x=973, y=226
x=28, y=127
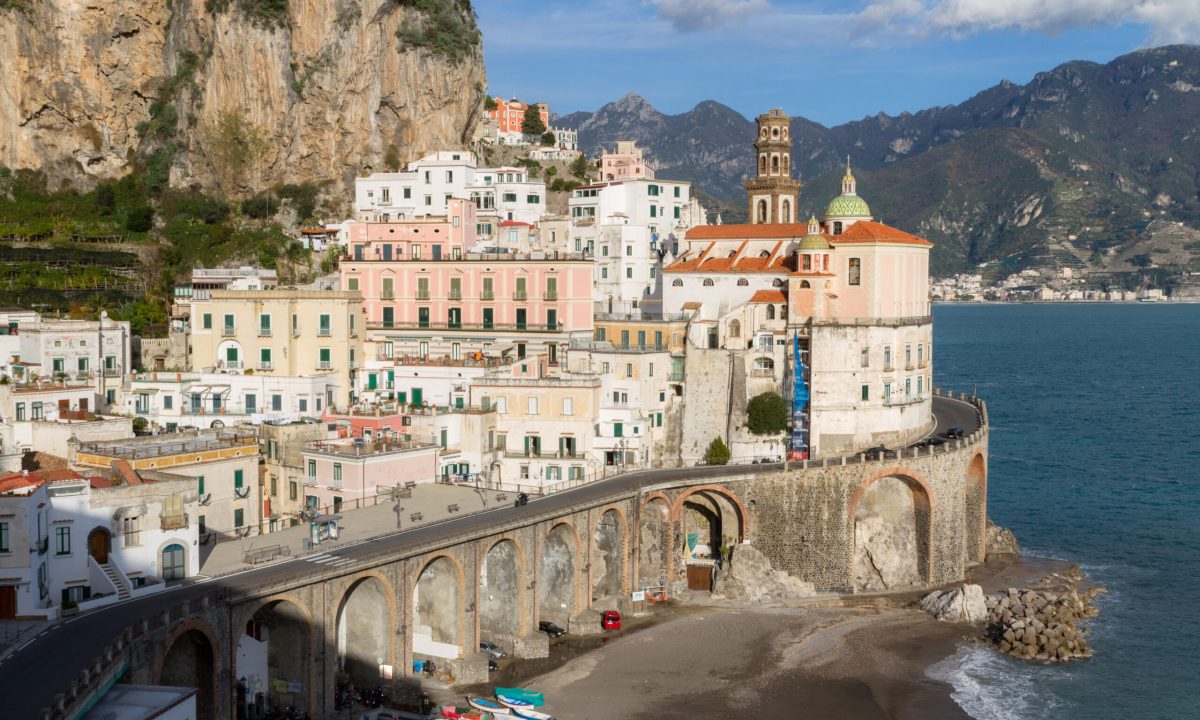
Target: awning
x=326, y=518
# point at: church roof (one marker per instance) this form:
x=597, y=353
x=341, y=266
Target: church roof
x=768, y=296
x=847, y=206
x=868, y=231
x=747, y=230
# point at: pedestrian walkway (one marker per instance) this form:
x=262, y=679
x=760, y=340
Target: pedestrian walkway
x=428, y=504
x=330, y=560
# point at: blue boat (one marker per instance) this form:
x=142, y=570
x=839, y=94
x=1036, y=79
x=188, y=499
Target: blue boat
x=480, y=703
x=522, y=708
x=532, y=697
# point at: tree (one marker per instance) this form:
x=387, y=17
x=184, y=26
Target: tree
x=140, y=219
x=533, y=124
x=106, y=199
x=767, y=414
x=717, y=453
x=580, y=167
x=391, y=159
x=489, y=103
x=1143, y=260
x=548, y=139
x=235, y=145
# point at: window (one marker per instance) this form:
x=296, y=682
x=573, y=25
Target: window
x=920, y=386
x=324, y=325
x=510, y=197
x=272, y=449
x=4, y=537
x=568, y=407
x=252, y=404
x=887, y=357
x=625, y=339
x=603, y=273
x=653, y=211
x=239, y=517
x=658, y=339
x=62, y=540
x=920, y=354
x=887, y=392
x=129, y=530
x=652, y=190
x=238, y=479
x=293, y=490
x=277, y=402
x=264, y=325
x=866, y=357
x=37, y=411
x=168, y=402
x=351, y=283
x=83, y=365
x=866, y=393
x=618, y=429
x=323, y=359
x=20, y=411
x=707, y=282
x=337, y=472
x=312, y=468
x=206, y=321
x=855, y=275
x=629, y=273
x=388, y=292
x=533, y=199
x=677, y=283
x=532, y=406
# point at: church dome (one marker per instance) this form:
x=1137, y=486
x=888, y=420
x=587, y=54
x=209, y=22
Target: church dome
x=847, y=206
x=814, y=240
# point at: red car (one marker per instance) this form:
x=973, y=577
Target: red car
x=610, y=620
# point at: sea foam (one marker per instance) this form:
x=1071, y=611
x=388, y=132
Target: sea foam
x=988, y=686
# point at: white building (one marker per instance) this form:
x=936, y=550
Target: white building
x=44, y=417
x=171, y=401
x=93, y=351
x=424, y=188
x=24, y=545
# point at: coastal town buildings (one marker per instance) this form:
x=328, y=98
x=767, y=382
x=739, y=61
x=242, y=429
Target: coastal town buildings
x=171, y=401
x=627, y=162
x=351, y=471
x=96, y=352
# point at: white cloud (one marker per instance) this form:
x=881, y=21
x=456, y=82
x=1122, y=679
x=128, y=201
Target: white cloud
x=693, y=15
x=1170, y=21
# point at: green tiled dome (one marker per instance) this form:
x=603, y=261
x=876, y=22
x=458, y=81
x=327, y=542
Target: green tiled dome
x=847, y=206
x=813, y=241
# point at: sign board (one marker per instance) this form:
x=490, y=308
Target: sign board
x=639, y=596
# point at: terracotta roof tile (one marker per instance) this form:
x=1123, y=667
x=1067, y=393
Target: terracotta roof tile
x=768, y=296
x=867, y=231
x=747, y=231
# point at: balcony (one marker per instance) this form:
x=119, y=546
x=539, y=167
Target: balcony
x=112, y=372
x=325, y=365
x=335, y=485
x=456, y=294
x=228, y=331
x=422, y=294
x=550, y=295
x=524, y=327
x=174, y=522
x=266, y=366
x=324, y=331
x=310, y=480
x=520, y=295
x=487, y=295
x=387, y=295
x=889, y=367
x=230, y=364
x=382, y=354
x=264, y=332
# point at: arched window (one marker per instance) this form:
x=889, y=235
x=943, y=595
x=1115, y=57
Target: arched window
x=764, y=363
x=837, y=227
x=785, y=209
x=762, y=211
x=770, y=312
x=775, y=163
x=806, y=262
x=735, y=328
x=805, y=284
x=776, y=283
x=677, y=282
x=765, y=254
x=762, y=163
x=172, y=566
x=708, y=282
x=775, y=132
x=743, y=282
x=786, y=163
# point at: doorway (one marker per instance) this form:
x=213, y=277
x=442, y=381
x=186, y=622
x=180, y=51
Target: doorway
x=173, y=567
x=8, y=602
x=99, y=543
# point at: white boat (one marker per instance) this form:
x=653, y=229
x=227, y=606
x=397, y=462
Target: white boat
x=522, y=708
x=491, y=706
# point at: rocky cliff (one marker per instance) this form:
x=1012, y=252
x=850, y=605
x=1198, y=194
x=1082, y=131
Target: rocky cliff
x=234, y=95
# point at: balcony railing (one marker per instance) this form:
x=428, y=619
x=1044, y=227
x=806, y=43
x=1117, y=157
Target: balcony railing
x=335, y=485
x=387, y=295
x=487, y=295
x=550, y=295
x=174, y=522
x=467, y=326
x=264, y=332
x=228, y=331
x=310, y=480
x=422, y=294
x=230, y=364
x=520, y=295
x=456, y=294
x=266, y=366
x=325, y=365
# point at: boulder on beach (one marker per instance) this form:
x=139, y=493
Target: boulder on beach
x=1000, y=540
x=749, y=576
x=964, y=604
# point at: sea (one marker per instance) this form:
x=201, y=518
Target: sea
x=1095, y=459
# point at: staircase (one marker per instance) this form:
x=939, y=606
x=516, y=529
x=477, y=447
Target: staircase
x=117, y=578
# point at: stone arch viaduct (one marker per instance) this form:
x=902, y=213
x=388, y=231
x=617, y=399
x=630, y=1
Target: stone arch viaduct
x=290, y=630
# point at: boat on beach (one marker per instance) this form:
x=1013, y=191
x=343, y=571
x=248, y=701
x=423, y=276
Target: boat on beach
x=490, y=706
x=534, y=698
x=454, y=712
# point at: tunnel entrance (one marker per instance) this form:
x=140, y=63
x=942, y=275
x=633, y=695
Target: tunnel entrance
x=608, y=561
x=710, y=522
x=363, y=632
x=272, y=659
x=500, y=593
x=891, y=532
x=189, y=662
x=437, y=605
x=556, y=591
x=654, y=542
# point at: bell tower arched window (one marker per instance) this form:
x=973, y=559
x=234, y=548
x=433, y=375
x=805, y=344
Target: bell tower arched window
x=762, y=211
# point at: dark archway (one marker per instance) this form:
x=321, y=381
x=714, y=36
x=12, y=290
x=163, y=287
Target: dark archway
x=891, y=534
x=500, y=593
x=363, y=630
x=608, y=559
x=556, y=586
x=190, y=661
x=710, y=519
x=275, y=645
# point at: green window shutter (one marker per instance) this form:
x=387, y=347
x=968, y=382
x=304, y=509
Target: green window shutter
x=201, y=484
x=618, y=430
x=238, y=479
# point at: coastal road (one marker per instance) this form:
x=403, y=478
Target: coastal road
x=31, y=676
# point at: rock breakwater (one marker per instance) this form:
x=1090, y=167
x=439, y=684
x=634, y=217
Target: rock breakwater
x=1041, y=625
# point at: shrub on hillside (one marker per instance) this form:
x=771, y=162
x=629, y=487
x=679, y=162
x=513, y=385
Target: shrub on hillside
x=140, y=219
x=717, y=453
x=767, y=414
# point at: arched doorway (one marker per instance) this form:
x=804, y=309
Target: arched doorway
x=274, y=646
x=654, y=542
x=99, y=545
x=191, y=662
x=363, y=631
x=556, y=583
x=174, y=562
x=437, y=605
x=891, y=534
x=710, y=521
x=608, y=560
x=500, y=593
x=975, y=512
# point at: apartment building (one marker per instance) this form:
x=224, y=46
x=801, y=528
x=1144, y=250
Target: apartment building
x=348, y=472
x=171, y=401
x=281, y=332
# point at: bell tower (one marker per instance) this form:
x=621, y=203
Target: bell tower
x=773, y=191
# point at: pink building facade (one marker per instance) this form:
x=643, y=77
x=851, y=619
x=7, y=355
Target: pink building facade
x=348, y=473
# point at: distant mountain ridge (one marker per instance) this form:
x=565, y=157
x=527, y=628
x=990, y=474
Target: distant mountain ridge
x=1068, y=170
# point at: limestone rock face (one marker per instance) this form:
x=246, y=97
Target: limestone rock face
x=885, y=554
x=327, y=88
x=749, y=576
x=965, y=604
x=1000, y=541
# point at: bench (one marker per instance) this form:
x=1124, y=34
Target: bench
x=253, y=557
x=501, y=497
x=410, y=485
x=452, y=508
x=416, y=517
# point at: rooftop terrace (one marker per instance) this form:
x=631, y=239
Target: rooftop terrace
x=170, y=444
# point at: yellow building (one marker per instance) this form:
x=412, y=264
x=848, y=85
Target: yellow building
x=281, y=332
x=627, y=332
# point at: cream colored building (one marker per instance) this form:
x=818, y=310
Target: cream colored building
x=285, y=332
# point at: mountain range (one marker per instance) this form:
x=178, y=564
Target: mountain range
x=1092, y=167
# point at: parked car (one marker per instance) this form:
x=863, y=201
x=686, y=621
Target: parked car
x=931, y=442
x=955, y=433
x=610, y=620
x=877, y=451
x=551, y=629
x=492, y=650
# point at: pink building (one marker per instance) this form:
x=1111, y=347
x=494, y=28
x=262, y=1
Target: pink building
x=510, y=114
x=421, y=282
x=627, y=163
x=348, y=473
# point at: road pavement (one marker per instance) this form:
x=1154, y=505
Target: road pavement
x=31, y=676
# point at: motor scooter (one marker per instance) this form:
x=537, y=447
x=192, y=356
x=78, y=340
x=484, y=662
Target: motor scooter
x=522, y=499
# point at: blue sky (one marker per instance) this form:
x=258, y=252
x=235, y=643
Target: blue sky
x=829, y=61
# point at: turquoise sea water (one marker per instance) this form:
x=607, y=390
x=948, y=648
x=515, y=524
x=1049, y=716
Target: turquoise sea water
x=1095, y=458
